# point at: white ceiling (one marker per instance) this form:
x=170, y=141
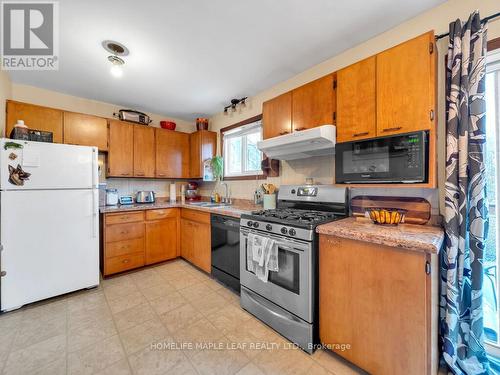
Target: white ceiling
x=190, y=57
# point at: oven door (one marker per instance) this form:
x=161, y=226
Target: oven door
x=393, y=159
x=291, y=286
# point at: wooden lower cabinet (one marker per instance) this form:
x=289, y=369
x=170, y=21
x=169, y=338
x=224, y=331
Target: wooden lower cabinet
x=137, y=238
x=381, y=301
x=196, y=238
x=162, y=237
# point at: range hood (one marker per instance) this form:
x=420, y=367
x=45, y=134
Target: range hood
x=300, y=144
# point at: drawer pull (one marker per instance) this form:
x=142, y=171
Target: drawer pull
x=360, y=134
x=392, y=129
x=299, y=129
x=140, y=173
x=126, y=261
x=161, y=174
x=125, y=247
x=125, y=174
x=124, y=232
x=285, y=132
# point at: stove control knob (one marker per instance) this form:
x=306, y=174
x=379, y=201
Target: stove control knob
x=249, y=223
x=292, y=232
x=284, y=230
x=293, y=191
x=269, y=227
x=255, y=225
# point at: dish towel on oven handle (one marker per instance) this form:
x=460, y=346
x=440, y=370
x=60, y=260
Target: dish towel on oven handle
x=262, y=256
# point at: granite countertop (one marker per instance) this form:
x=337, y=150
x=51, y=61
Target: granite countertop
x=239, y=207
x=425, y=238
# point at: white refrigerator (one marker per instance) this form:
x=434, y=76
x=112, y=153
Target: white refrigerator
x=49, y=220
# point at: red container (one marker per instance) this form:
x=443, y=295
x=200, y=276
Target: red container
x=169, y=125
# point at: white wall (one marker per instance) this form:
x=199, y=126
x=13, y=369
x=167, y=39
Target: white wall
x=321, y=169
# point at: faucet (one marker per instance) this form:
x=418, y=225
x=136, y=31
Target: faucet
x=226, y=198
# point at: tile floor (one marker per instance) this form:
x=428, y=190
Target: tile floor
x=144, y=323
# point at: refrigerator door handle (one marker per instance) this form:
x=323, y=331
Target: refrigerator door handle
x=95, y=212
x=95, y=169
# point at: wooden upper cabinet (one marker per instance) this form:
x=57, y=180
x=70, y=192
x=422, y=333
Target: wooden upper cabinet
x=172, y=154
x=121, y=149
x=277, y=116
x=313, y=104
x=356, y=101
x=406, y=85
x=203, y=146
x=35, y=117
x=144, y=151
x=85, y=130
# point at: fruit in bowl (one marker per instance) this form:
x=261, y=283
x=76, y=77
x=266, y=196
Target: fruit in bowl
x=388, y=216
x=169, y=125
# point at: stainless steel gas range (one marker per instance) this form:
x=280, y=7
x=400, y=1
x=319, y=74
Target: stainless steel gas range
x=288, y=301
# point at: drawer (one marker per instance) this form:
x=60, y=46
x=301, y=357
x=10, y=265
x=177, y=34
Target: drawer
x=118, y=248
x=123, y=263
x=161, y=213
x=126, y=217
x=198, y=216
x=120, y=232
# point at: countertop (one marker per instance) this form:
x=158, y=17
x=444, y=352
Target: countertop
x=425, y=238
x=238, y=208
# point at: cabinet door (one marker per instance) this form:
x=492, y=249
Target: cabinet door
x=161, y=240
x=144, y=151
x=203, y=145
x=356, y=112
x=202, y=250
x=312, y=104
x=187, y=234
x=172, y=154
x=121, y=149
x=277, y=116
x=85, y=130
x=35, y=117
x=406, y=86
x=374, y=297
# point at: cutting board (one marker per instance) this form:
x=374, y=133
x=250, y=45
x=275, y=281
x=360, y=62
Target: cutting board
x=419, y=209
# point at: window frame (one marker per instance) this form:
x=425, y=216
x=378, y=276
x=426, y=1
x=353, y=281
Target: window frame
x=252, y=176
x=493, y=48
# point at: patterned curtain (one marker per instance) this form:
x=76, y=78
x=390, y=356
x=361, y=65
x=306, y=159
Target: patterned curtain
x=466, y=209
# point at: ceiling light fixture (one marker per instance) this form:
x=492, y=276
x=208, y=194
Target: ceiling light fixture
x=117, y=50
x=234, y=104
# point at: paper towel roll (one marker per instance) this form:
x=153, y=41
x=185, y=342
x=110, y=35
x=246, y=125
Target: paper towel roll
x=173, y=195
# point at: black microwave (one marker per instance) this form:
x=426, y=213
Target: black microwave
x=400, y=158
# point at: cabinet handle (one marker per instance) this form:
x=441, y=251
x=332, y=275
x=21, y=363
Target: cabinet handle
x=125, y=247
x=360, y=134
x=125, y=260
x=124, y=232
x=161, y=174
x=124, y=217
x=125, y=174
x=140, y=174
x=392, y=129
x=299, y=129
x=285, y=132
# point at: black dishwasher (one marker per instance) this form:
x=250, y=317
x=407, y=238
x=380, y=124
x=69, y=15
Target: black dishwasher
x=226, y=250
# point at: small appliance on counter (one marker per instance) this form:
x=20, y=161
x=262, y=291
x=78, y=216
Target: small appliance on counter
x=192, y=192
x=102, y=194
x=126, y=199
x=111, y=197
x=145, y=196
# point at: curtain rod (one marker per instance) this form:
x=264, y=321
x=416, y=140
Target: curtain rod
x=485, y=19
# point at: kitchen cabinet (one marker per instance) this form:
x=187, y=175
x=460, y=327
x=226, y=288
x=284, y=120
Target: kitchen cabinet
x=172, y=154
x=313, y=104
x=356, y=101
x=406, y=86
x=123, y=242
x=381, y=300
x=121, y=149
x=203, y=146
x=162, y=242
x=277, y=116
x=35, y=117
x=144, y=151
x=196, y=238
x=85, y=130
